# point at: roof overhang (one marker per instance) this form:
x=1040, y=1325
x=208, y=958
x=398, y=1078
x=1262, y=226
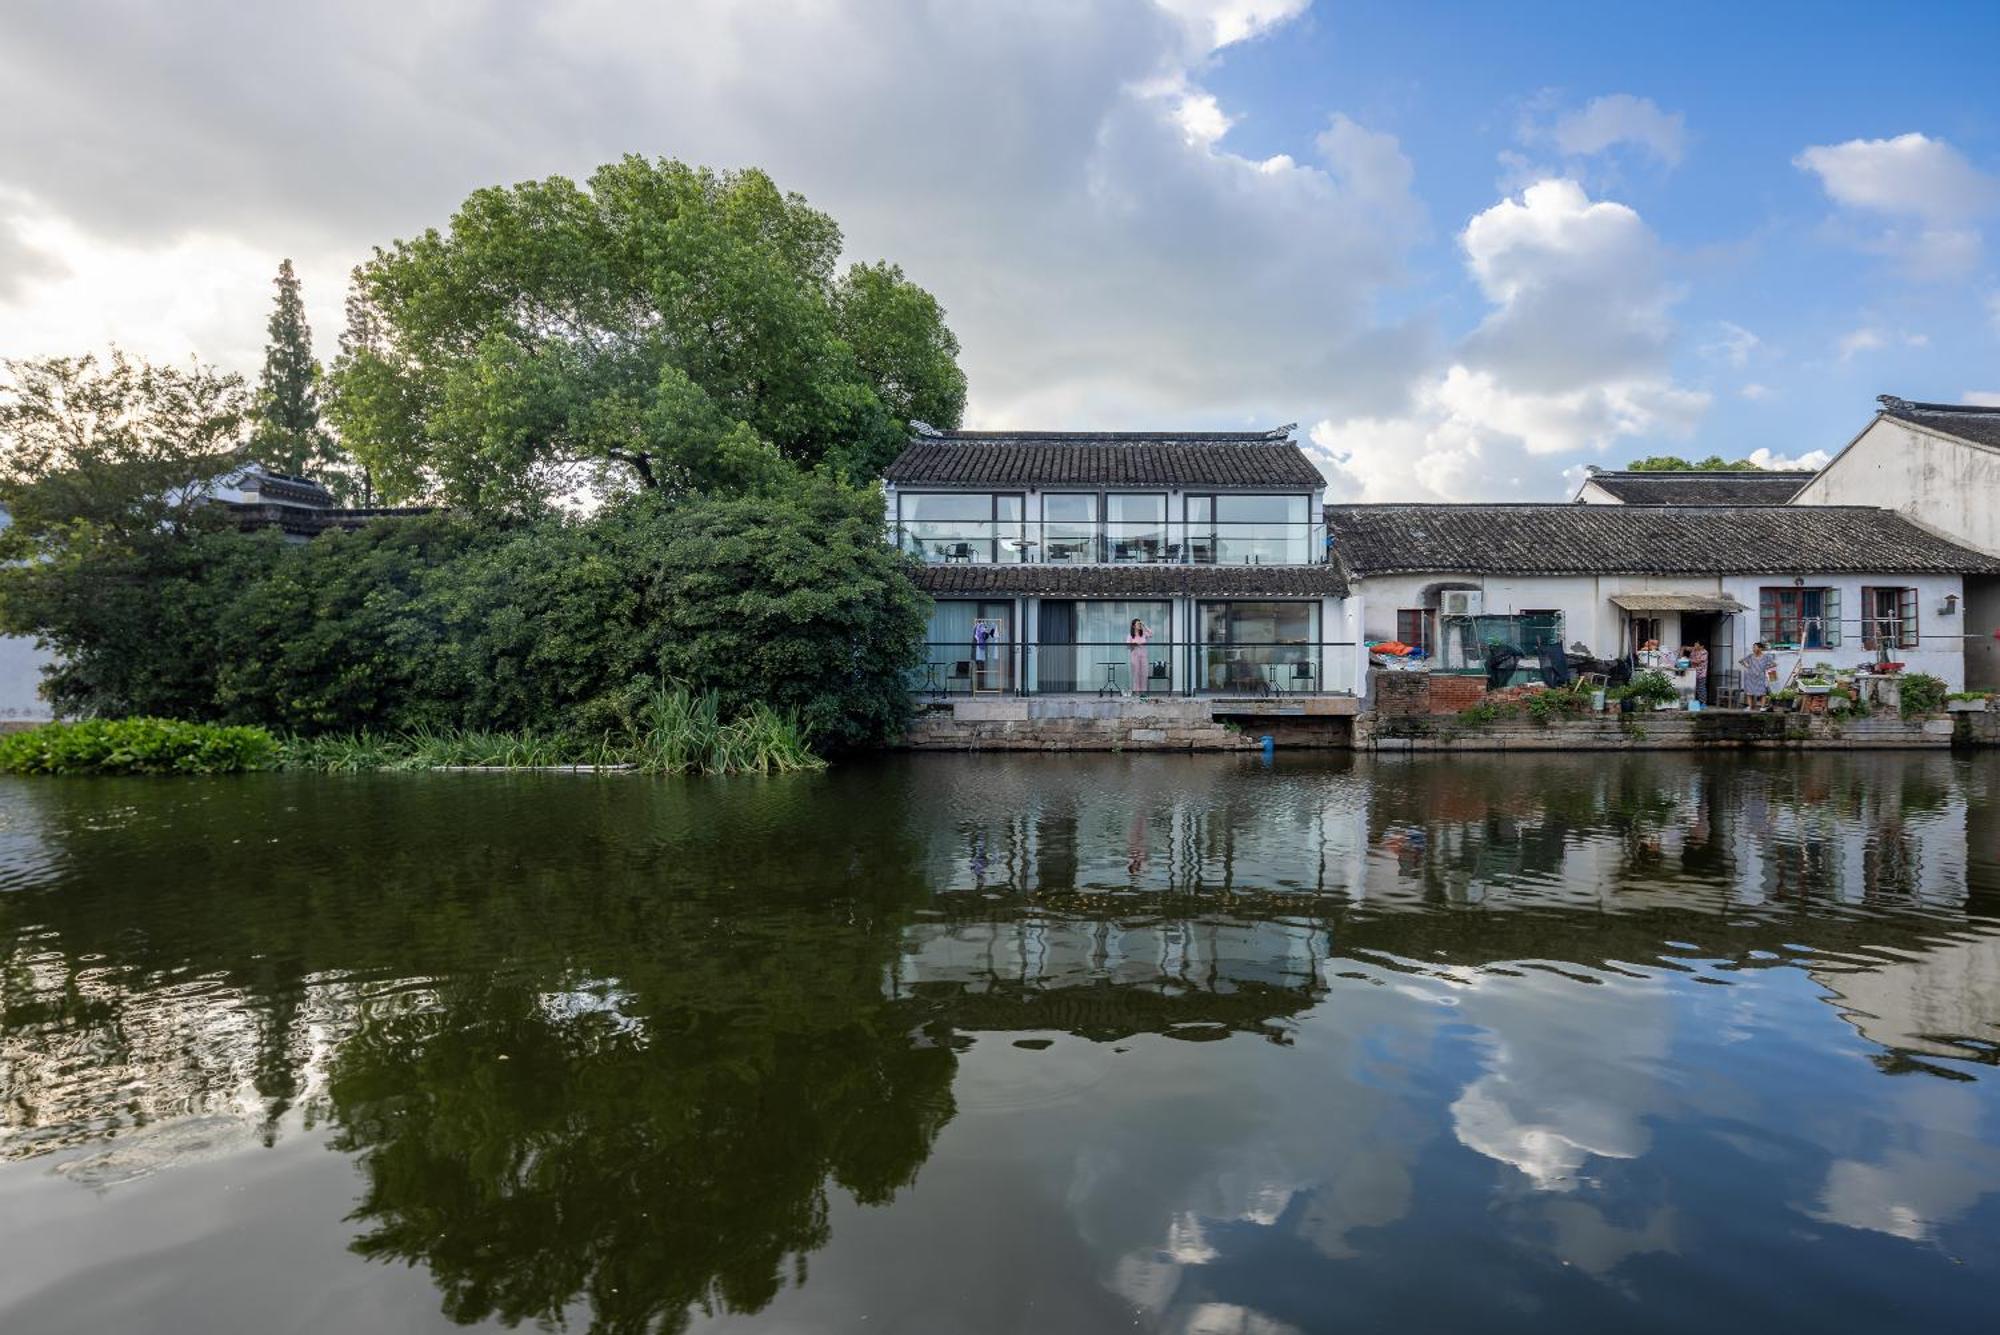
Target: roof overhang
x=1677, y=602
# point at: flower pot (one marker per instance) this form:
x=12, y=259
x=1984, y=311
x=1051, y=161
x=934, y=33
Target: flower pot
x=1965, y=706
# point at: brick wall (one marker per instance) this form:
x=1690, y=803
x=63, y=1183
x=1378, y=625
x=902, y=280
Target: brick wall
x=1450, y=694
x=1402, y=694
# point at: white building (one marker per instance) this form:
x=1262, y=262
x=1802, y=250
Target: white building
x=1041, y=548
x=1938, y=464
x=1826, y=584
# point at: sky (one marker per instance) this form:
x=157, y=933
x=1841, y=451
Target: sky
x=1470, y=249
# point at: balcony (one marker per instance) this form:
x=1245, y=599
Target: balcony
x=1242, y=669
x=1058, y=542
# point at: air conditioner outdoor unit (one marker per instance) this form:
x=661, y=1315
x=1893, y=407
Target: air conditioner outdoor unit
x=1461, y=602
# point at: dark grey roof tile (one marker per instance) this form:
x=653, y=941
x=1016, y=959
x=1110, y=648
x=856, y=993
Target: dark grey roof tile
x=1765, y=487
x=1636, y=540
x=1228, y=459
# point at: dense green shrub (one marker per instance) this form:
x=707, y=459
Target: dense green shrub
x=1647, y=689
x=791, y=602
x=137, y=746
x=1921, y=693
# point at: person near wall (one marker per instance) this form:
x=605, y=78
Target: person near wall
x=1759, y=666
x=1698, y=657
x=1135, y=649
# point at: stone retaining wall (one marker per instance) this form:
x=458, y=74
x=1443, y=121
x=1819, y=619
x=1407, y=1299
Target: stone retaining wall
x=1662, y=731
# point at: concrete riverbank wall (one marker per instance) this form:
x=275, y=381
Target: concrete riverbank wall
x=1711, y=730
x=1062, y=723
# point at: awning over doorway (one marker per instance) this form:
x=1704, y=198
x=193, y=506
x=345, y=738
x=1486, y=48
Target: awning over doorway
x=1677, y=602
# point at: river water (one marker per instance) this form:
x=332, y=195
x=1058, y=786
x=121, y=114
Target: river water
x=978, y=1044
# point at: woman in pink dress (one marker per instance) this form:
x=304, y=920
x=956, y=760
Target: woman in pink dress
x=1135, y=644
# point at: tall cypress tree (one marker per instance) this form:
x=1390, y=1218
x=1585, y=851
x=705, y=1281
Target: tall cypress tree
x=289, y=437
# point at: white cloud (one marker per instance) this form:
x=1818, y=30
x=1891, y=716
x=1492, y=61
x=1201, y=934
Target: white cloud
x=1933, y=196
x=1732, y=344
x=1755, y=392
x=1221, y=23
x=1765, y=458
x=1573, y=356
x=1620, y=118
x=1873, y=338
x=1055, y=174
x=1982, y=398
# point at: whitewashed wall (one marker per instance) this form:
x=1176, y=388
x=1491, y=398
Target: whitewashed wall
x=1590, y=616
x=1949, y=485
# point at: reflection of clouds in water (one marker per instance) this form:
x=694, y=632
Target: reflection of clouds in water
x=1567, y=1078
x=1933, y=1170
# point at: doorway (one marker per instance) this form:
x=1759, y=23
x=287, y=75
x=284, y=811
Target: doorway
x=1712, y=629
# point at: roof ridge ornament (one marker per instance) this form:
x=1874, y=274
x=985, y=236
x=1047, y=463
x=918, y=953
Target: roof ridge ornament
x=1281, y=432
x=924, y=428
x=1891, y=401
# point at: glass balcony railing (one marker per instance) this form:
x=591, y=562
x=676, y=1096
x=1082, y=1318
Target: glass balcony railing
x=1064, y=543
x=1170, y=667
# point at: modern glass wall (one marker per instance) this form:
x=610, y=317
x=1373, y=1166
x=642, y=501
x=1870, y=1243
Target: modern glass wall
x=973, y=647
x=1081, y=646
x=1135, y=527
x=976, y=527
x=1069, y=528
x=1250, y=530
x=1252, y=646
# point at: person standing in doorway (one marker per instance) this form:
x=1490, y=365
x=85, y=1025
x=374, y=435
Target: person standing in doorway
x=1135, y=648
x=1698, y=659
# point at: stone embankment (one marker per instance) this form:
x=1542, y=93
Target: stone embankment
x=1710, y=730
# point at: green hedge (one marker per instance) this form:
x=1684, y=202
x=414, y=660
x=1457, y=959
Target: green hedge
x=137, y=746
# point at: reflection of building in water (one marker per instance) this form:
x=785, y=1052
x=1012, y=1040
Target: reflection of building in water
x=109, y=1060
x=1943, y=1003
x=1106, y=977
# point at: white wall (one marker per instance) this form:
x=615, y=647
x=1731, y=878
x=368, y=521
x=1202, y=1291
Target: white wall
x=1590, y=616
x=1949, y=485
x=1592, y=494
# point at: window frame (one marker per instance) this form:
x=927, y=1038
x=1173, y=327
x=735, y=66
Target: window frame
x=1774, y=617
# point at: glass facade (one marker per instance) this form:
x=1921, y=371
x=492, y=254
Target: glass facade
x=1250, y=530
x=1135, y=527
x=1251, y=646
x=1069, y=528
x=1117, y=528
x=975, y=527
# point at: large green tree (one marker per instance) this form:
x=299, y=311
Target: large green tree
x=669, y=327
x=113, y=450
x=289, y=437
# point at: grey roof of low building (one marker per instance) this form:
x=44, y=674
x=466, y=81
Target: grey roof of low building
x=1640, y=540
x=1704, y=486
x=1974, y=422
x=1133, y=581
x=1228, y=459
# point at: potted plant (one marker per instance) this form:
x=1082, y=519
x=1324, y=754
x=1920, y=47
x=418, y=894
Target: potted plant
x=1966, y=702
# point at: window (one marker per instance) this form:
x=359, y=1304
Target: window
x=1413, y=627
x=1799, y=618
x=1069, y=528
x=1135, y=526
x=1258, y=646
x=972, y=526
x=1646, y=629
x=1261, y=530
x=1889, y=618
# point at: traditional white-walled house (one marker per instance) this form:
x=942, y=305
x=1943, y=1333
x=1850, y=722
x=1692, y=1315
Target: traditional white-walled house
x=1603, y=486
x=1938, y=464
x=1040, y=547
x=1833, y=584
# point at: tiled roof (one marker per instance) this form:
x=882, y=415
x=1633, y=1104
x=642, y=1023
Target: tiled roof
x=1737, y=487
x=1134, y=581
x=1640, y=540
x=1980, y=425
x=1097, y=458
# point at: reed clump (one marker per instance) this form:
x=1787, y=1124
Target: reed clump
x=673, y=731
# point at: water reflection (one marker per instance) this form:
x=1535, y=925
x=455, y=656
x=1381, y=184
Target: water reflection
x=1209, y=1042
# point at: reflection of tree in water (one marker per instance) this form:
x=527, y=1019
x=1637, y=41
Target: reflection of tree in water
x=647, y=1157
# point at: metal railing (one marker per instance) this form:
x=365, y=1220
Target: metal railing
x=1056, y=542
x=1106, y=667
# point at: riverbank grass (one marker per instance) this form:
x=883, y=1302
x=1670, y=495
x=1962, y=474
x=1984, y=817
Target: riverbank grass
x=675, y=731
